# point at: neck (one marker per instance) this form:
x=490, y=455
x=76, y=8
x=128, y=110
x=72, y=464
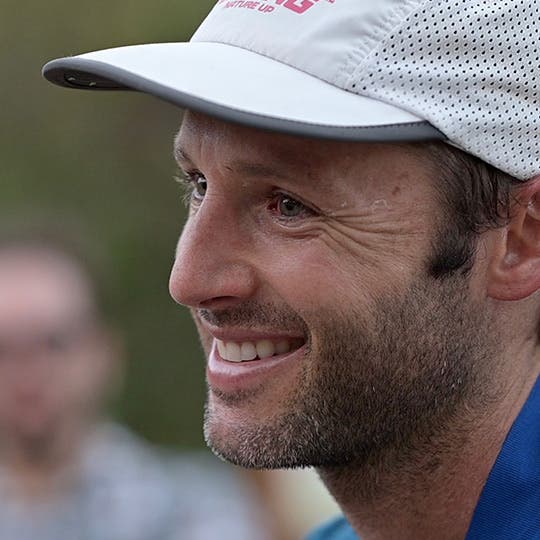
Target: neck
x=430, y=491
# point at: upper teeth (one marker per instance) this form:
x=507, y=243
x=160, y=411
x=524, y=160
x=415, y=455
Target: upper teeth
x=249, y=350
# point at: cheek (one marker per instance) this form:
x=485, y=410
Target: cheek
x=310, y=279
x=319, y=275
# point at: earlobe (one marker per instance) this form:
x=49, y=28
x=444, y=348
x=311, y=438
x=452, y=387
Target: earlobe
x=514, y=271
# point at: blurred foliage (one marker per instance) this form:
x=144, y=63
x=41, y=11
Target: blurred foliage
x=104, y=161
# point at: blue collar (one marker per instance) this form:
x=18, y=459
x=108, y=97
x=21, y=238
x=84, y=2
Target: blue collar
x=509, y=507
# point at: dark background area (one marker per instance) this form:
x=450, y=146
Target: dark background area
x=101, y=163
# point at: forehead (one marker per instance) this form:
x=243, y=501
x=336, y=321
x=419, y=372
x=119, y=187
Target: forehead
x=203, y=137
x=205, y=141
x=38, y=287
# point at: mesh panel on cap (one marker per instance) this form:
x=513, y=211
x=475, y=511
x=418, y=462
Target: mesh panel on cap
x=472, y=68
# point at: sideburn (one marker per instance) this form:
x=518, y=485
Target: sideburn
x=453, y=253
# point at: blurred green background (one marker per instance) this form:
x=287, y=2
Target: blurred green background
x=103, y=162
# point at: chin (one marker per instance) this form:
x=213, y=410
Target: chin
x=258, y=438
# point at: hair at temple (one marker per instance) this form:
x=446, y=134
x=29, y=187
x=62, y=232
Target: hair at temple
x=475, y=197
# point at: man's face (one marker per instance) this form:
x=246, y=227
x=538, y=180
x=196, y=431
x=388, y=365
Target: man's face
x=55, y=361
x=305, y=264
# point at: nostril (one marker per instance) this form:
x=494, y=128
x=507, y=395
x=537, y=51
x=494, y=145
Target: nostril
x=220, y=303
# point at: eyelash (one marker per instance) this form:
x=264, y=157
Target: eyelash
x=187, y=182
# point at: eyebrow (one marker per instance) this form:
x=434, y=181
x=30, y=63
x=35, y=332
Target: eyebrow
x=242, y=167
x=180, y=155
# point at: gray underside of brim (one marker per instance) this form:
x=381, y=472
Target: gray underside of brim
x=86, y=74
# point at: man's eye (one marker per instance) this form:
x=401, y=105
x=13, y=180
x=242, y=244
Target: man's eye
x=286, y=207
x=200, y=186
x=195, y=185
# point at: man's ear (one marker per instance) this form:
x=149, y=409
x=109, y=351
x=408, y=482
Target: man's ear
x=514, y=271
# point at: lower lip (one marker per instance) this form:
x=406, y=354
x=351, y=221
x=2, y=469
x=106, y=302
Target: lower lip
x=236, y=376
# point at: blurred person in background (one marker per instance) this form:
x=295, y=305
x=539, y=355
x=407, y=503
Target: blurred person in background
x=65, y=471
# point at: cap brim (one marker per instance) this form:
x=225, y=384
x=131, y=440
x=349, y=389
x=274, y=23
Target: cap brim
x=241, y=86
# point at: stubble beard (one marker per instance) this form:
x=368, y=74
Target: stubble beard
x=379, y=384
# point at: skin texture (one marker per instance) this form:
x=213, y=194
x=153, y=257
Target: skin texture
x=402, y=383
x=56, y=365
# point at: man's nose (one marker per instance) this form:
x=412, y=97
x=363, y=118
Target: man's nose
x=212, y=268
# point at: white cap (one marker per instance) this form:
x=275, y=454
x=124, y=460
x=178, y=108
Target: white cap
x=463, y=71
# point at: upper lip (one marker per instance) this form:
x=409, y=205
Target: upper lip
x=241, y=335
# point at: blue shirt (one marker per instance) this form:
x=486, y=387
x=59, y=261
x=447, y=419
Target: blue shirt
x=509, y=507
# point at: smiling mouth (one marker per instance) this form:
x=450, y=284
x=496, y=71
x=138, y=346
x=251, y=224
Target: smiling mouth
x=251, y=351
